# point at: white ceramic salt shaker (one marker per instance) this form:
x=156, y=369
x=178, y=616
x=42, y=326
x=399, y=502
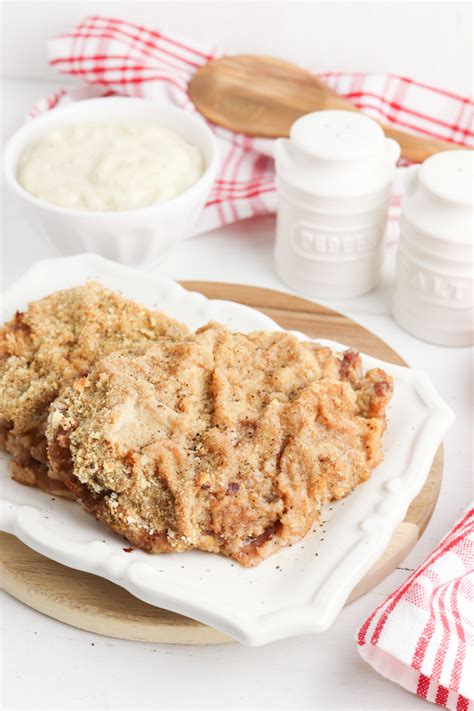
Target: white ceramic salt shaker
x=333, y=182
x=433, y=296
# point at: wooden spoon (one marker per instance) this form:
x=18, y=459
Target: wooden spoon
x=262, y=96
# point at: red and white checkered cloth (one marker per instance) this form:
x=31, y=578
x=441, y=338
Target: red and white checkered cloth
x=116, y=57
x=423, y=636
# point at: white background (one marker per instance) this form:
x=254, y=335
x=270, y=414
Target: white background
x=430, y=41
x=47, y=665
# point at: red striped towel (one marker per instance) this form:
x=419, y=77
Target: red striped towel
x=423, y=636
x=116, y=57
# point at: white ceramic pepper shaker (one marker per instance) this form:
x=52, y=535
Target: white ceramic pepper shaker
x=334, y=175
x=433, y=296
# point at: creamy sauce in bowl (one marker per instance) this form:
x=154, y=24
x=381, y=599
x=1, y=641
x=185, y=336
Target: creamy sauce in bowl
x=101, y=166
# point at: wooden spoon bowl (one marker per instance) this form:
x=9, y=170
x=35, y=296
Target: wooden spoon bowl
x=262, y=96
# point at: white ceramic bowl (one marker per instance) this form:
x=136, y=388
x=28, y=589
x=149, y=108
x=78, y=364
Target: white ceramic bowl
x=141, y=236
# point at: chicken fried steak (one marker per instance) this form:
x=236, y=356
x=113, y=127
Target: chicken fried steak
x=224, y=442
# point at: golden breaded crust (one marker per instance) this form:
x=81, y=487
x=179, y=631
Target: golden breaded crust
x=54, y=341
x=224, y=442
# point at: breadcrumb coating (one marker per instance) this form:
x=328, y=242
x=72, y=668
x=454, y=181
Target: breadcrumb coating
x=219, y=441
x=55, y=340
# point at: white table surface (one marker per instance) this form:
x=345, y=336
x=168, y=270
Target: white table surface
x=48, y=665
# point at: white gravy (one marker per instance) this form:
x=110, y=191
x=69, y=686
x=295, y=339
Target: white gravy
x=109, y=166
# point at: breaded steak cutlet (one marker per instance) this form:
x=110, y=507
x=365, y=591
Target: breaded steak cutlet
x=224, y=442
x=54, y=341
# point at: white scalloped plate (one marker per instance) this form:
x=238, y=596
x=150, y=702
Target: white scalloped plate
x=299, y=590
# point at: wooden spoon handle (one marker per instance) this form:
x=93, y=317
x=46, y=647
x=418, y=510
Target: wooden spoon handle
x=418, y=148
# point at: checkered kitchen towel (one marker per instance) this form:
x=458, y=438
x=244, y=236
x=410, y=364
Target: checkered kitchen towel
x=116, y=57
x=423, y=636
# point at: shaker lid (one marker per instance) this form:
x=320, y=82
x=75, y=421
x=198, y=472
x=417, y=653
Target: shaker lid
x=450, y=176
x=337, y=135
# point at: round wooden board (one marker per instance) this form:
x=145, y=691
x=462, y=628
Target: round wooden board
x=94, y=604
